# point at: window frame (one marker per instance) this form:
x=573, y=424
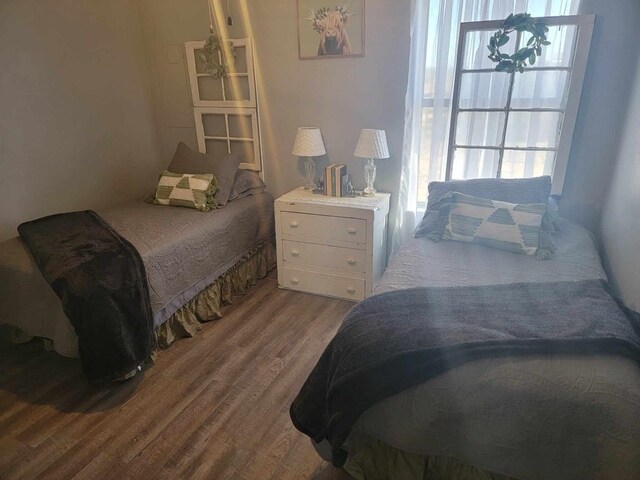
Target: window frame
x=580, y=56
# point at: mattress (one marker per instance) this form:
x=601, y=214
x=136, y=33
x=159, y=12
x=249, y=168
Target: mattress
x=555, y=417
x=183, y=251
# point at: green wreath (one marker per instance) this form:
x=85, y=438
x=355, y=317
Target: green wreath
x=211, y=60
x=521, y=22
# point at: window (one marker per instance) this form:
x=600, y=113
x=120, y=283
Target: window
x=514, y=125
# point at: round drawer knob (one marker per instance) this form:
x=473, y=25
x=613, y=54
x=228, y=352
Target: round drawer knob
x=295, y=253
x=350, y=289
x=295, y=281
x=293, y=224
x=351, y=261
x=352, y=230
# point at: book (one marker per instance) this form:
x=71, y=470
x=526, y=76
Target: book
x=328, y=185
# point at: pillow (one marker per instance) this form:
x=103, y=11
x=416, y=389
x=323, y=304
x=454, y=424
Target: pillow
x=517, y=190
x=186, y=160
x=187, y=190
x=507, y=226
x=246, y=183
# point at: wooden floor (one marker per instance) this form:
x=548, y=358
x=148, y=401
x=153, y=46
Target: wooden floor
x=214, y=406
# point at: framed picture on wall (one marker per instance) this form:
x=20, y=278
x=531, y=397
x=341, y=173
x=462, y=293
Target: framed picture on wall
x=330, y=29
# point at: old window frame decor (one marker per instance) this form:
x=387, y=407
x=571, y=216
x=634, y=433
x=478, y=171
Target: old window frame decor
x=347, y=15
x=226, y=107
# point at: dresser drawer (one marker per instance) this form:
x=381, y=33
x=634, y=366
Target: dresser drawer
x=341, y=229
x=339, y=258
x=323, y=284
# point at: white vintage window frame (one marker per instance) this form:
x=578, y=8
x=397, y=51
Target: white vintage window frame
x=584, y=24
x=246, y=112
x=190, y=54
x=226, y=107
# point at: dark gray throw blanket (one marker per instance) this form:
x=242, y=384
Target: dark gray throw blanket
x=100, y=279
x=396, y=340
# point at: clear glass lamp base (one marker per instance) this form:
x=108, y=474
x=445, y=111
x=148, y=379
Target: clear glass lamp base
x=369, y=178
x=310, y=173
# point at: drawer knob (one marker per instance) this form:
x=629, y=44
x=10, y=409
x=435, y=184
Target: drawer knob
x=295, y=281
x=295, y=253
x=351, y=261
x=350, y=289
x=293, y=224
x=352, y=230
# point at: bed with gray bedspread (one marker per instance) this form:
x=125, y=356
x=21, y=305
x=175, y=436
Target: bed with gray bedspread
x=564, y=417
x=183, y=251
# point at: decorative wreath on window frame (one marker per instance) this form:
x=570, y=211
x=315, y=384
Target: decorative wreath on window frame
x=211, y=60
x=521, y=22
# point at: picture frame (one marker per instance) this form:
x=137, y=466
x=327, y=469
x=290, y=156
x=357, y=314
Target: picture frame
x=330, y=29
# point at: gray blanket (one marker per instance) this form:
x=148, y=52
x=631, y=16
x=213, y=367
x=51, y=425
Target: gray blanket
x=436, y=329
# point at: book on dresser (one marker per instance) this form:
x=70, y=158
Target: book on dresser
x=333, y=179
x=332, y=246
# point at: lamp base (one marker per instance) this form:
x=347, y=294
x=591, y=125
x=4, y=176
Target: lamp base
x=369, y=192
x=369, y=178
x=310, y=173
x=311, y=187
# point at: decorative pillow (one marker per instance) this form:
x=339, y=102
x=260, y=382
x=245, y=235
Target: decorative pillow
x=246, y=183
x=187, y=190
x=516, y=190
x=186, y=160
x=507, y=226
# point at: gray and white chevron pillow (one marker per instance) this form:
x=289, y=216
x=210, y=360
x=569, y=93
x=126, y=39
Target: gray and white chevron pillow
x=503, y=225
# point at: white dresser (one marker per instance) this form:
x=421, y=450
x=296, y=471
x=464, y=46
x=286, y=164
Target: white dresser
x=334, y=246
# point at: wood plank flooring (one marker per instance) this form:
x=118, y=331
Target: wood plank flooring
x=215, y=406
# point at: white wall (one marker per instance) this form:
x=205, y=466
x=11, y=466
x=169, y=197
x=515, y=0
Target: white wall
x=341, y=96
x=76, y=119
x=620, y=229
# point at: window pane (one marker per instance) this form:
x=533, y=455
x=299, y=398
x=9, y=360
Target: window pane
x=474, y=163
x=560, y=52
x=476, y=51
x=533, y=129
x=240, y=126
x=218, y=148
x=519, y=164
x=214, y=125
x=484, y=90
x=540, y=89
x=479, y=128
x=210, y=88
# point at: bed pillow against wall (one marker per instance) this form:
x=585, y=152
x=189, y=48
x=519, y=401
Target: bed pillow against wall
x=187, y=190
x=503, y=225
x=516, y=190
x=246, y=183
x=186, y=160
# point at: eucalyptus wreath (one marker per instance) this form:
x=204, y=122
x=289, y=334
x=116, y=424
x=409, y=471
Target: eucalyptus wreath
x=318, y=16
x=521, y=22
x=211, y=59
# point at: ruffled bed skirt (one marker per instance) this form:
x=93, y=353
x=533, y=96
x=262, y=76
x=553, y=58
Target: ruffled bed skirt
x=205, y=306
x=372, y=459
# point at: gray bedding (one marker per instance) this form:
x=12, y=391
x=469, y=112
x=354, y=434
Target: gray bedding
x=183, y=251
x=553, y=417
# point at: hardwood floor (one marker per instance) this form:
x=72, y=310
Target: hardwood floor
x=215, y=406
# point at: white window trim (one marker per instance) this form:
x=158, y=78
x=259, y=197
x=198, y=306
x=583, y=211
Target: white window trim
x=585, y=25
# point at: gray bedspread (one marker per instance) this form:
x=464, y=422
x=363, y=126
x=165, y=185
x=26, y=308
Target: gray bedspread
x=183, y=251
x=558, y=417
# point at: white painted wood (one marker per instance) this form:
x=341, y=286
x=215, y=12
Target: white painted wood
x=334, y=246
x=584, y=24
x=200, y=112
x=247, y=106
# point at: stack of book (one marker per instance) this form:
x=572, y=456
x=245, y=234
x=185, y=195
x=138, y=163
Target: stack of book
x=334, y=176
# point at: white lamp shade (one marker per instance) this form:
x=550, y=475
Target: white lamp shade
x=308, y=143
x=372, y=144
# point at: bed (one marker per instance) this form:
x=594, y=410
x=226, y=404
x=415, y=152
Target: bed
x=194, y=261
x=446, y=373
x=576, y=417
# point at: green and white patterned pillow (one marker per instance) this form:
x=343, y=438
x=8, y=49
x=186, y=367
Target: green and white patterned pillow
x=503, y=225
x=187, y=190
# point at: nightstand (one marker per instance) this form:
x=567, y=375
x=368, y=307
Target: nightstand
x=333, y=246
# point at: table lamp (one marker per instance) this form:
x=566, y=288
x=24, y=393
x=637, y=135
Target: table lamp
x=371, y=144
x=309, y=144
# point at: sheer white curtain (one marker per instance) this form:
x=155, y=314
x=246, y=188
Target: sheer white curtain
x=434, y=35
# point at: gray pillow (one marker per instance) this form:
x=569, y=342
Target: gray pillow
x=512, y=190
x=186, y=160
x=247, y=182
